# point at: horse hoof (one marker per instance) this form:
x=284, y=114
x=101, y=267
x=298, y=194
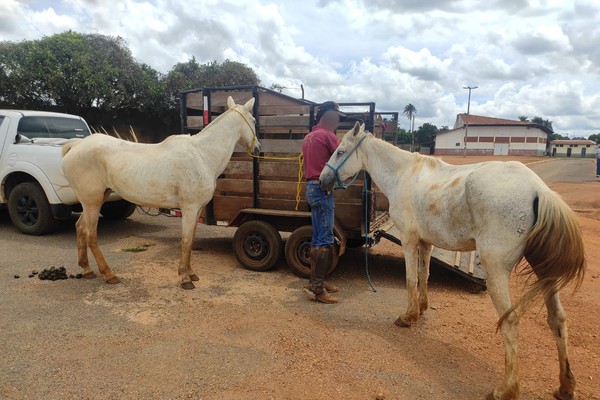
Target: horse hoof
x=188, y=285
x=564, y=396
x=194, y=277
x=402, y=323
x=89, y=275
x=113, y=280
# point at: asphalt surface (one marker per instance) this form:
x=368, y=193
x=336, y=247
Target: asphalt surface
x=572, y=170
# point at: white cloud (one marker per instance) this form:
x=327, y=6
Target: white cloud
x=536, y=57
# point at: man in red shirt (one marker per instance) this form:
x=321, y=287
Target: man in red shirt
x=317, y=148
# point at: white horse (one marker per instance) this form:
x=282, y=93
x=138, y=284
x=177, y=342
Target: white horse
x=179, y=172
x=502, y=210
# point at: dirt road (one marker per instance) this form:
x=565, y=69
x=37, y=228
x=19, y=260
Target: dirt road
x=246, y=335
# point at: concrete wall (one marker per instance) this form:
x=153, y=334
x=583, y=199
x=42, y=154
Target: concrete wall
x=481, y=140
x=575, y=151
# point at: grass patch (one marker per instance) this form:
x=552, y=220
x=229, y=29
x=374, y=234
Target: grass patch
x=138, y=248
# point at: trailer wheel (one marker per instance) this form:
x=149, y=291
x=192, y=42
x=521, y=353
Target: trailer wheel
x=297, y=252
x=257, y=245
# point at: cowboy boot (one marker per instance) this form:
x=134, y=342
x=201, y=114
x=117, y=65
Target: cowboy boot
x=317, y=286
x=330, y=287
x=313, y=259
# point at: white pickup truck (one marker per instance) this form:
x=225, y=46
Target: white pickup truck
x=32, y=184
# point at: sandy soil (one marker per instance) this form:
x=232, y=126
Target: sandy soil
x=246, y=335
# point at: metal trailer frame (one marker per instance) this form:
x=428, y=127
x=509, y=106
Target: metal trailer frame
x=259, y=226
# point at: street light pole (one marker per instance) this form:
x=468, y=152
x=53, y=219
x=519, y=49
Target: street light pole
x=467, y=121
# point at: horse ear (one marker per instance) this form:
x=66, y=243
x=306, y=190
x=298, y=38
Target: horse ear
x=249, y=105
x=356, y=128
x=230, y=102
x=362, y=128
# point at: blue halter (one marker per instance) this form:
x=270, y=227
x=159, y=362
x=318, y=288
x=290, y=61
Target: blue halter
x=340, y=182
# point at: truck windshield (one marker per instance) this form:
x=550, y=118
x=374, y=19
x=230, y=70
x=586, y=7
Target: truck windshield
x=52, y=127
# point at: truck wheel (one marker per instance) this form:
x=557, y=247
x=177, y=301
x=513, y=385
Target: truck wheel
x=257, y=245
x=29, y=209
x=297, y=252
x=120, y=210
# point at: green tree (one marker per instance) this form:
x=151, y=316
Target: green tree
x=191, y=75
x=71, y=71
x=403, y=137
x=410, y=111
x=595, y=137
x=523, y=118
x=277, y=87
x=425, y=134
x=543, y=122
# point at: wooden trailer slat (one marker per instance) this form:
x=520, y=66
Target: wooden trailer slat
x=274, y=99
x=194, y=100
x=218, y=99
x=291, y=146
x=284, y=121
x=284, y=109
x=195, y=122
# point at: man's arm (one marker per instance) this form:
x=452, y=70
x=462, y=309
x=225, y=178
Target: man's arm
x=332, y=142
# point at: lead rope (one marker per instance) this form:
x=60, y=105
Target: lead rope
x=366, y=193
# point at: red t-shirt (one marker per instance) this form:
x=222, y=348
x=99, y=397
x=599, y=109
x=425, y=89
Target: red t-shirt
x=317, y=148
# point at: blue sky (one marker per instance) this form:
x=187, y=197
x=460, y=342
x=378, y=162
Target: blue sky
x=527, y=57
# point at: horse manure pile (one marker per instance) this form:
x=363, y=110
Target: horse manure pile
x=52, y=274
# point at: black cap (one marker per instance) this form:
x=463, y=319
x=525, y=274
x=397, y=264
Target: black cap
x=329, y=106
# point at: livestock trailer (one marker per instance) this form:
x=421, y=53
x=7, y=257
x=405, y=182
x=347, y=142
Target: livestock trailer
x=263, y=196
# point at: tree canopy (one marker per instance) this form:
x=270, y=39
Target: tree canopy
x=190, y=75
x=595, y=137
x=96, y=75
x=71, y=71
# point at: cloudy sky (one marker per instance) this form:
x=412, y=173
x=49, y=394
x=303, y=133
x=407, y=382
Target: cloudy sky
x=537, y=57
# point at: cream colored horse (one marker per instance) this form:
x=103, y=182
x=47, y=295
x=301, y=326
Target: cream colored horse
x=179, y=172
x=500, y=209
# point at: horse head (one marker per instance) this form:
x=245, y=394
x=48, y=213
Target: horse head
x=248, y=137
x=345, y=161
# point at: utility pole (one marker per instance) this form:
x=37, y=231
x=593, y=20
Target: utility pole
x=467, y=121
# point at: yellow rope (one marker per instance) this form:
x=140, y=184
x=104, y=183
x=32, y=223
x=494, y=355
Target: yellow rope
x=299, y=157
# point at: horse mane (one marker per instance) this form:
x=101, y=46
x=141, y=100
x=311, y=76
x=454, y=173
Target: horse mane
x=420, y=160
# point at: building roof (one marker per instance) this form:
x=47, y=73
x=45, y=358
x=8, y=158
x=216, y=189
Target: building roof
x=479, y=120
x=591, y=142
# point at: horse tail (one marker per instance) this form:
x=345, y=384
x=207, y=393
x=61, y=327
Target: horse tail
x=554, y=250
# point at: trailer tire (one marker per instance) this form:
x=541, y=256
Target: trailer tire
x=297, y=252
x=257, y=245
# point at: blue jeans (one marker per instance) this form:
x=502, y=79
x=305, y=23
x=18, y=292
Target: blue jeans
x=322, y=213
x=598, y=166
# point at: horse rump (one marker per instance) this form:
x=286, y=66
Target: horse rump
x=554, y=250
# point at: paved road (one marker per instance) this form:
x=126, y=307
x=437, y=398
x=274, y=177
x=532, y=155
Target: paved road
x=566, y=170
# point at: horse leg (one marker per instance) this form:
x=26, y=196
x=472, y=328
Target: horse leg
x=424, y=260
x=82, y=246
x=557, y=321
x=190, y=271
x=91, y=213
x=411, y=258
x=498, y=287
x=189, y=222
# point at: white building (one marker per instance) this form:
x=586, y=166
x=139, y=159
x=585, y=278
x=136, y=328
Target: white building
x=492, y=136
x=573, y=148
